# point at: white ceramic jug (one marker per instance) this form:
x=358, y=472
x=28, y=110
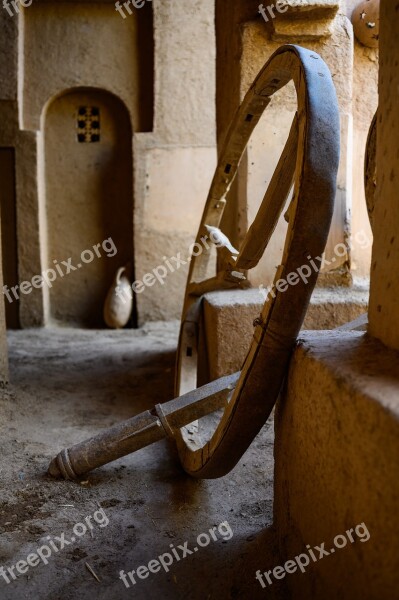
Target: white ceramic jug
x=119, y=301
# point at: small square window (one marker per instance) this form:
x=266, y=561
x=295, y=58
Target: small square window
x=88, y=124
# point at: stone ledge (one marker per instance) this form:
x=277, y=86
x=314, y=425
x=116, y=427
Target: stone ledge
x=305, y=19
x=308, y=9
x=285, y=30
x=337, y=464
x=229, y=316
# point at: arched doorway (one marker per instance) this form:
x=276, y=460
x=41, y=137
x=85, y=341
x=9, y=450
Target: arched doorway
x=89, y=199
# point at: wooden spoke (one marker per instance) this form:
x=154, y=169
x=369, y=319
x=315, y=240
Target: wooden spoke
x=273, y=203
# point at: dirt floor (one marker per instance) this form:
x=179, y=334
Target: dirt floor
x=68, y=384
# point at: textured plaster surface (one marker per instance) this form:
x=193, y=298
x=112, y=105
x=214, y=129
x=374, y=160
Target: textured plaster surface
x=337, y=459
x=8, y=56
x=270, y=136
x=88, y=200
x=185, y=72
x=85, y=46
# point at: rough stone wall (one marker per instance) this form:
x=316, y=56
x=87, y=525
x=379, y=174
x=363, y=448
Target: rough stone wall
x=48, y=50
x=86, y=45
x=89, y=200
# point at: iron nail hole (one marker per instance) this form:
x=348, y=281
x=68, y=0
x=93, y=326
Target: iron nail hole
x=249, y=118
x=227, y=168
x=189, y=351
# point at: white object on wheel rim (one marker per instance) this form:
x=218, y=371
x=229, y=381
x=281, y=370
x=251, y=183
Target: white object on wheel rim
x=119, y=301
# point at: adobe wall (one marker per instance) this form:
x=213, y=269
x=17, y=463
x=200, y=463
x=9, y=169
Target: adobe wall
x=336, y=449
x=159, y=63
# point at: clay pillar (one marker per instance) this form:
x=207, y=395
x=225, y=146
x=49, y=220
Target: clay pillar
x=384, y=297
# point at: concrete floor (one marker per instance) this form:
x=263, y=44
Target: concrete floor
x=67, y=385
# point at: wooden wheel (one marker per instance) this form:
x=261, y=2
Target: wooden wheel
x=370, y=169
x=310, y=162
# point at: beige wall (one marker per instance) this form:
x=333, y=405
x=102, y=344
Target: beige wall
x=185, y=72
x=56, y=47
x=81, y=45
x=174, y=165
x=365, y=101
x=68, y=45
x=88, y=199
x=269, y=138
x=337, y=422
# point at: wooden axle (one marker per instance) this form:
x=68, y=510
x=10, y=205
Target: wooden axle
x=144, y=429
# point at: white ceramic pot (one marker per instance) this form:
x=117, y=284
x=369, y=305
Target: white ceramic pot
x=366, y=22
x=119, y=301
